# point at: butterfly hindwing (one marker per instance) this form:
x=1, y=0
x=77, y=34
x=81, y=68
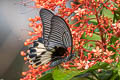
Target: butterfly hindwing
x=60, y=32
x=60, y=35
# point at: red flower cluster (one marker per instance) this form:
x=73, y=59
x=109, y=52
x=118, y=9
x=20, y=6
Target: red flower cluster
x=33, y=74
x=37, y=30
x=89, y=51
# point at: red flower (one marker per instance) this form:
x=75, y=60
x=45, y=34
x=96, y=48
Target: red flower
x=97, y=51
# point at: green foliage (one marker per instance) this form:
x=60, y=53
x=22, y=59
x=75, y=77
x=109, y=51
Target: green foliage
x=117, y=15
x=118, y=68
x=94, y=37
x=62, y=74
x=107, y=13
x=47, y=76
x=113, y=40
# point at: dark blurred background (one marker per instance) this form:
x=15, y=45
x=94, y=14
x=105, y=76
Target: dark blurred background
x=13, y=32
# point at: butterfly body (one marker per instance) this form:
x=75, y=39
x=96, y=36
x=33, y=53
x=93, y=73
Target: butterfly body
x=53, y=46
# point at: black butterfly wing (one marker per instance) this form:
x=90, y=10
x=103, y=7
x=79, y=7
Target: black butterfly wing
x=60, y=35
x=46, y=17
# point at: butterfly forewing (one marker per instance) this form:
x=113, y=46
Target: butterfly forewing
x=46, y=17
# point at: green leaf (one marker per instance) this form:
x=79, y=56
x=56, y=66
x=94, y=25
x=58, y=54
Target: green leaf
x=94, y=37
x=114, y=76
x=69, y=74
x=86, y=46
x=117, y=14
x=107, y=13
x=93, y=20
x=113, y=39
x=99, y=65
x=46, y=77
x=80, y=78
x=64, y=74
x=118, y=68
x=96, y=30
x=104, y=74
x=111, y=49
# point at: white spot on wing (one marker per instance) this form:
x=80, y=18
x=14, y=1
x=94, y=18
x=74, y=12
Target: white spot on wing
x=40, y=45
x=44, y=59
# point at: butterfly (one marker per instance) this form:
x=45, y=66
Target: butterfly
x=53, y=46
